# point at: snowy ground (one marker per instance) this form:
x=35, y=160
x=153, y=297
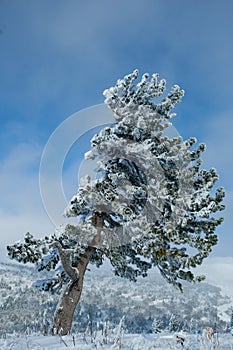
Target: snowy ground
x=127, y=342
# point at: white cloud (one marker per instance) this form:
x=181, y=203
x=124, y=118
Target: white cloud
x=21, y=209
x=218, y=271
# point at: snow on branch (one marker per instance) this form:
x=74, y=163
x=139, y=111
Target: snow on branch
x=127, y=96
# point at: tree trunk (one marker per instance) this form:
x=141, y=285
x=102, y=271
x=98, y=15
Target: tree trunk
x=64, y=314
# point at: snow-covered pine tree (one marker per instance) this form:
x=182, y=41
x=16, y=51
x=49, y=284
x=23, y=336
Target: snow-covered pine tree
x=150, y=205
x=174, y=324
x=231, y=323
x=157, y=325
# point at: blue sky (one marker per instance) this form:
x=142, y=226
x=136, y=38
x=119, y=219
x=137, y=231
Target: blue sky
x=57, y=57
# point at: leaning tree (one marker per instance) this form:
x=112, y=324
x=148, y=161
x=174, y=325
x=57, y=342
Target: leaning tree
x=151, y=203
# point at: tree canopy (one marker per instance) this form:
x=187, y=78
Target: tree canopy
x=151, y=203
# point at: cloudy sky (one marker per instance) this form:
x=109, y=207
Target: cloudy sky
x=56, y=59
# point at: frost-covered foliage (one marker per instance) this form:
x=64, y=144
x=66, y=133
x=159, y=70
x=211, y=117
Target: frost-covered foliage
x=151, y=203
x=155, y=198
x=157, y=326
x=45, y=256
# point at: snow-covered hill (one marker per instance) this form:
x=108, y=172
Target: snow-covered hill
x=106, y=299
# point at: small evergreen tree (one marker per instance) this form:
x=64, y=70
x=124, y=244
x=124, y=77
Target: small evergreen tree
x=231, y=323
x=174, y=324
x=149, y=204
x=157, y=325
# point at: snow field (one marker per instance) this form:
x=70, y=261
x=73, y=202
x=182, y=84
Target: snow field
x=127, y=342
